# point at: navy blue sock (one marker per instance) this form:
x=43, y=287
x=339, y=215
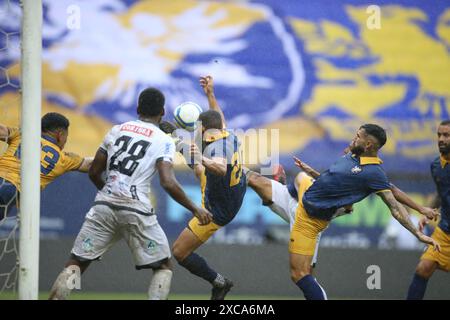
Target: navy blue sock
x=311, y=289
x=198, y=266
x=417, y=288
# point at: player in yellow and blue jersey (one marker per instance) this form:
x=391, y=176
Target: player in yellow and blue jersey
x=54, y=161
x=349, y=180
x=431, y=259
x=223, y=187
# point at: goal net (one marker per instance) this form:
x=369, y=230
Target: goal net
x=10, y=17
x=20, y=98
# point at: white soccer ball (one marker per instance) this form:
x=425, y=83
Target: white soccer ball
x=186, y=115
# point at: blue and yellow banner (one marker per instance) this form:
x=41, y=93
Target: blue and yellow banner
x=315, y=69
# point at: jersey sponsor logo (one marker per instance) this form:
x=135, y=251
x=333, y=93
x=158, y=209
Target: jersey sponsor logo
x=356, y=169
x=136, y=129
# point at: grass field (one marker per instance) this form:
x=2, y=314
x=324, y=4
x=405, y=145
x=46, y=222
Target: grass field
x=143, y=296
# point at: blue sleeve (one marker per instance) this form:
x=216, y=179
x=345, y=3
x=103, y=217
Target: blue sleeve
x=378, y=180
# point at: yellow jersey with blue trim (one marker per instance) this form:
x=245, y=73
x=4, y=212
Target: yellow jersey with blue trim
x=54, y=161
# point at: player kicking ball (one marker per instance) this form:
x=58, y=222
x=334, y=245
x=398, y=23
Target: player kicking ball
x=131, y=154
x=349, y=180
x=282, y=198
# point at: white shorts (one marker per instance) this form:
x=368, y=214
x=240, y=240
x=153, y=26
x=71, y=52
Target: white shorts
x=105, y=224
x=284, y=205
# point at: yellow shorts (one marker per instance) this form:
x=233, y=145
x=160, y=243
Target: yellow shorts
x=203, y=232
x=443, y=257
x=305, y=229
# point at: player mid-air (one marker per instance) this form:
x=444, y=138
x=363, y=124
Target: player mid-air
x=131, y=154
x=431, y=259
x=349, y=180
x=54, y=161
x=223, y=185
x=282, y=197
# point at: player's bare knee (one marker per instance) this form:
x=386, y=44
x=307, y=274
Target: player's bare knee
x=298, y=273
x=166, y=265
x=178, y=252
x=75, y=261
x=425, y=269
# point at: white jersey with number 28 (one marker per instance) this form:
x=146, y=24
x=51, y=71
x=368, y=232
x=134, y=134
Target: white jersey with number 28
x=133, y=149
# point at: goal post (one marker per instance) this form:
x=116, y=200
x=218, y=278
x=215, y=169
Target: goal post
x=31, y=83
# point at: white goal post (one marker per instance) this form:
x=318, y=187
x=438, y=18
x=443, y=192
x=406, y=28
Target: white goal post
x=31, y=83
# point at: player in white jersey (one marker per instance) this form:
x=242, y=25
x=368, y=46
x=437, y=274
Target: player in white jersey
x=130, y=155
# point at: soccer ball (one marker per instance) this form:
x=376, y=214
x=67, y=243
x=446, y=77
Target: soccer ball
x=186, y=115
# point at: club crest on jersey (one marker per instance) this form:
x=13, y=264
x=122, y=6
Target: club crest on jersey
x=87, y=245
x=356, y=169
x=152, y=246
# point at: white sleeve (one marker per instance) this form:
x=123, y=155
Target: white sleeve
x=166, y=151
x=109, y=139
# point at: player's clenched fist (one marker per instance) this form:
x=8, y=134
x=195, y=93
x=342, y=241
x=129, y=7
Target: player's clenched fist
x=207, y=84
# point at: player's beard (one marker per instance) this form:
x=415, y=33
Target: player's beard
x=356, y=150
x=444, y=149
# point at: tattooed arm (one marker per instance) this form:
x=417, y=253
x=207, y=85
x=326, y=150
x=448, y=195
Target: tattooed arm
x=399, y=212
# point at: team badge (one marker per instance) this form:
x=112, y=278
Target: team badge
x=356, y=169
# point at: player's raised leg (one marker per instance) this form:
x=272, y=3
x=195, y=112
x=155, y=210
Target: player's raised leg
x=260, y=184
x=183, y=250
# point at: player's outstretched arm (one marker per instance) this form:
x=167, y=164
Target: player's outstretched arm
x=86, y=164
x=215, y=165
x=207, y=84
x=170, y=184
x=306, y=168
x=403, y=198
x=399, y=212
x=198, y=170
x=97, y=167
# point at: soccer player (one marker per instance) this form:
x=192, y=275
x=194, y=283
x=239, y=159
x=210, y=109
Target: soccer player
x=399, y=195
x=54, y=161
x=223, y=189
x=349, y=180
x=282, y=199
x=431, y=259
x=131, y=153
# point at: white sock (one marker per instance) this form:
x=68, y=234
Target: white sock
x=61, y=289
x=160, y=285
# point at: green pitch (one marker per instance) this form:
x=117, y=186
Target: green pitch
x=142, y=296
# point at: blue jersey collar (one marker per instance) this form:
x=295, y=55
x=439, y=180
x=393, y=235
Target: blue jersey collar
x=49, y=138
